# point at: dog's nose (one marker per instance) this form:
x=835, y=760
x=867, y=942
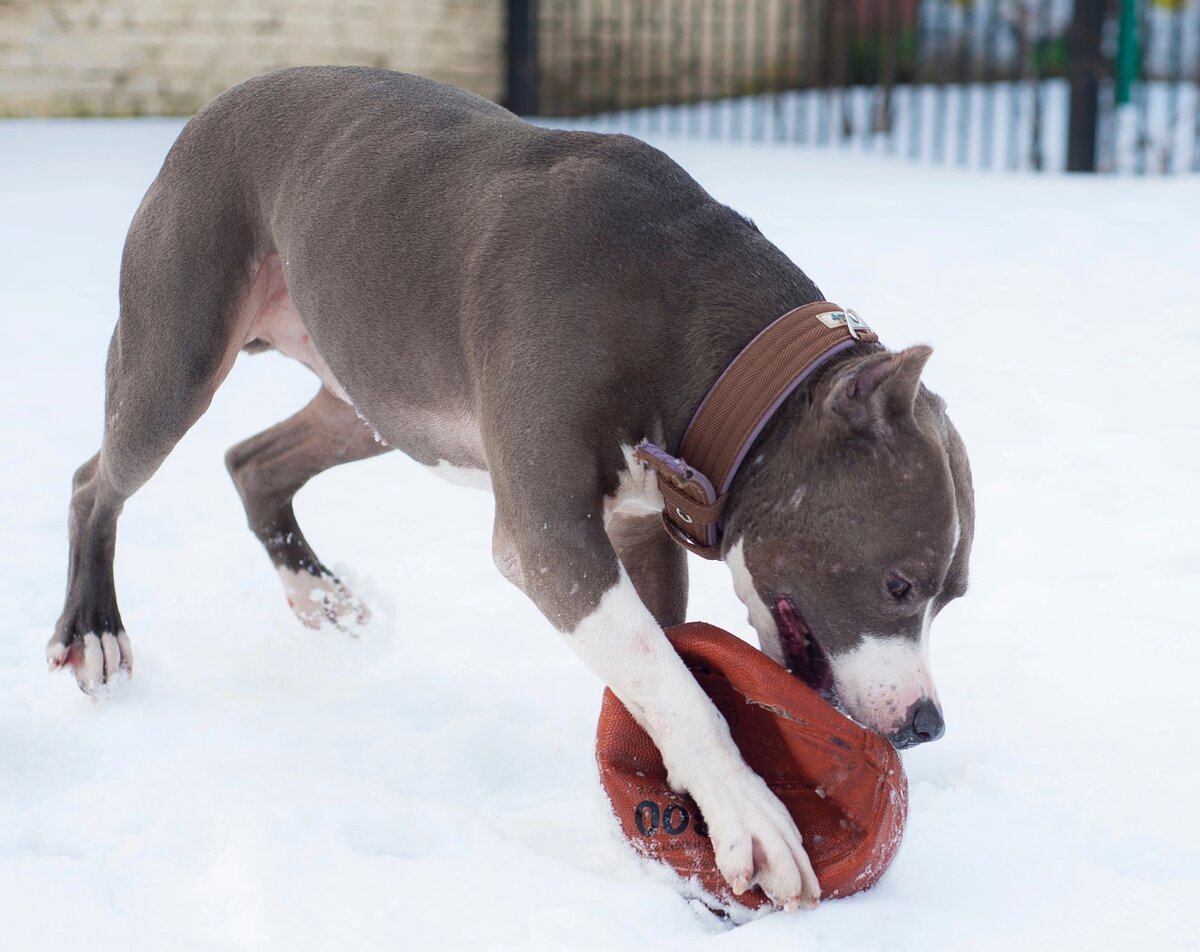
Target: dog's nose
x=927, y=721
x=924, y=724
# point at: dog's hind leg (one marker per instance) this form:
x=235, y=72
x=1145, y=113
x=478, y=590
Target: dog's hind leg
x=269, y=469
x=183, y=275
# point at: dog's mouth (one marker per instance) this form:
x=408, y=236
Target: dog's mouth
x=803, y=652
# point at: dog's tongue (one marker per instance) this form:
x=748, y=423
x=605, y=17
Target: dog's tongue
x=794, y=635
x=808, y=660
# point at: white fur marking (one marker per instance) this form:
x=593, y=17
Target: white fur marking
x=760, y=613
x=637, y=491
x=462, y=475
x=126, y=651
x=90, y=673
x=754, y=837
x=112, y=655
x=319, y=601
x=883, y=677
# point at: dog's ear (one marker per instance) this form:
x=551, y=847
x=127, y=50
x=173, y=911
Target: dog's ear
x=873, y=391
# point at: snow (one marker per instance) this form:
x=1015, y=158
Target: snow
x=431, y=784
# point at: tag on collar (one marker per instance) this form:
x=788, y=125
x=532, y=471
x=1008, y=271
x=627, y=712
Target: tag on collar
x=848, y=319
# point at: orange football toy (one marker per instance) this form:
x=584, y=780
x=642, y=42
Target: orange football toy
x=843, y=784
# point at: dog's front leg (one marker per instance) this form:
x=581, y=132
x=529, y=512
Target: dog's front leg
x=568, y=566
x=754, y=838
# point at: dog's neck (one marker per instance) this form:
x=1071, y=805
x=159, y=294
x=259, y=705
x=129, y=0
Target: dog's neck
x=733, y=300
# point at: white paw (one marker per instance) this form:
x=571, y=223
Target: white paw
x=754, y=838
x=320, y=600
x=97, y=661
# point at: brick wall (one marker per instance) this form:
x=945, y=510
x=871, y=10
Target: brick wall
x=133, y=57
x=597, y=55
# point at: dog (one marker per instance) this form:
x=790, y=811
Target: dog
x=517, y=307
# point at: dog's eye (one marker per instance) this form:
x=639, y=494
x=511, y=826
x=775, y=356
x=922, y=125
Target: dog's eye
x=898, y=587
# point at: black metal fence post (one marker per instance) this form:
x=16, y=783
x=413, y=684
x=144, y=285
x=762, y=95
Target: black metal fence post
x=1084, y=68
x=522, y=57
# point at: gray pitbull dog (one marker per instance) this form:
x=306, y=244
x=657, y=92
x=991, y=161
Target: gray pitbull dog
x=518, y=307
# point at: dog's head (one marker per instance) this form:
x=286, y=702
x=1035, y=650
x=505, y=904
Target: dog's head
x=849, y=529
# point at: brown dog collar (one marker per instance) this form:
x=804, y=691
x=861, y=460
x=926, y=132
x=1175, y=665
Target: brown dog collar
x=695, y=483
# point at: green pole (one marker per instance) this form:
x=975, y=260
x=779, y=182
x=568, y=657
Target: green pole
x=1128, y=51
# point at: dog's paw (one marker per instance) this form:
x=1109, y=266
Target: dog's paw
x=98, y=661
x=755, y=840
x=321, y=600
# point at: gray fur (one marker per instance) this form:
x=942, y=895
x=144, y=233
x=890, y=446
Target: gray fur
x=869, y=474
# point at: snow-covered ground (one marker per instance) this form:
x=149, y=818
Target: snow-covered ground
x=259, y=786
